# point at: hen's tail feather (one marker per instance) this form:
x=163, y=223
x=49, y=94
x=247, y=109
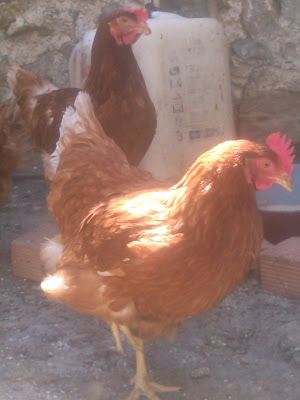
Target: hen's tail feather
x=26, y=86
x=50, y=252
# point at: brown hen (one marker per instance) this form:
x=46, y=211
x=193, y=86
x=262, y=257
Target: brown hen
x=15, y=146
x=115, y=84
x=146, y=258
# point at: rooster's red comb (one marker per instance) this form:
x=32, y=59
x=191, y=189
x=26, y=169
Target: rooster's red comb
x=141, y=13
x=282, y=148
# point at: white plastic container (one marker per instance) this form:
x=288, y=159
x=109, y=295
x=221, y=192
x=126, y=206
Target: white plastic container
x=186, y=69
x=185, y=66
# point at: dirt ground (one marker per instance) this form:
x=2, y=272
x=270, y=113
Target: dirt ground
x=248, y=348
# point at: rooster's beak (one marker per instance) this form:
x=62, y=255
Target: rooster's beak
x=285, y=181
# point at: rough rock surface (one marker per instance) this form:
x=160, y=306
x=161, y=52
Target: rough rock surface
x=40, y=34
x=263, y=37
x=264, y=41
x=266, y=66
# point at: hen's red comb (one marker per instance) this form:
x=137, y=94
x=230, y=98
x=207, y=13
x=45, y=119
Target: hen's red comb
x=141, y=13
x=282, y=148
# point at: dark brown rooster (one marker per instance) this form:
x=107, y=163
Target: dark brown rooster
x=146, y=258
x=115, y=84
x=15, y=146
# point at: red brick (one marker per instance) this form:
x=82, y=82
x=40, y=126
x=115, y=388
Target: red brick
x=280, y=268
x=25, y=251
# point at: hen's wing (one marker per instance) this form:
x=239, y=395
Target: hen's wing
x=124, y=230
x=91, y=167
x=47, y=117
x=27, y=86
x=41, y=104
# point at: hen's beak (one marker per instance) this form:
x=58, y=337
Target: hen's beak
x=143, y=29
x=286, y=181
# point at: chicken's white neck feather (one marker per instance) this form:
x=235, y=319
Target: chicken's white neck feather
x=70, y=124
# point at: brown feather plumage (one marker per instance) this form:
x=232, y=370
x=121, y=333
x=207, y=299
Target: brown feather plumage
x=146, y=256
x=117, y=89
x=105, y=160
x=15, y=146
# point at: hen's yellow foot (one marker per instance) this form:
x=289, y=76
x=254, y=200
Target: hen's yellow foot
x=142, y=385
x=149, y=389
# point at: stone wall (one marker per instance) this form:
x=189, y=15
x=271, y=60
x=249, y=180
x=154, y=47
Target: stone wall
x=264, y=41
x=39, y=35
x=263, y=37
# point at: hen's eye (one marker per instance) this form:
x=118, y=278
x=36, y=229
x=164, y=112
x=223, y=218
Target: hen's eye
x=266, y=164
x=124, y=19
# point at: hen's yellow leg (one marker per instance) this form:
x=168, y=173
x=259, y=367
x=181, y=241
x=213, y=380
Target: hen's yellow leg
x=142, y=385
x=115, y=331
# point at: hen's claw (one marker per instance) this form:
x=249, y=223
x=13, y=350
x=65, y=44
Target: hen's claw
x=163, y=388
x=149, y=389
